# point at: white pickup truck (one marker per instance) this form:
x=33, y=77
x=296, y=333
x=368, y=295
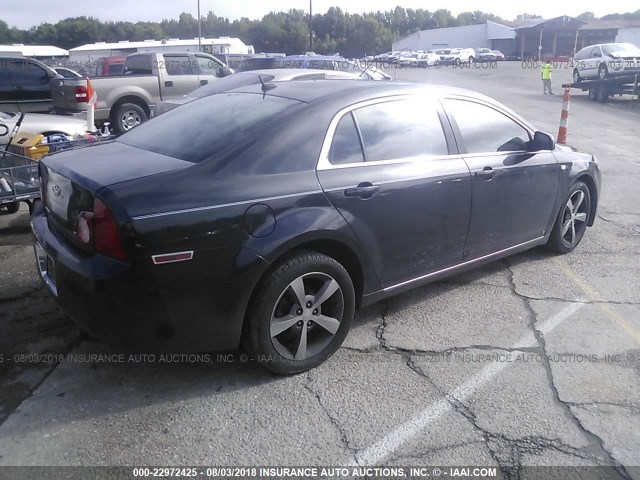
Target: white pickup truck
x=149, y=78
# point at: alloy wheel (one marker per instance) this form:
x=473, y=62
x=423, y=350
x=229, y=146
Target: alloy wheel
x=307, y=316
x=603, y=73
x=130, y=119
x=574, y=219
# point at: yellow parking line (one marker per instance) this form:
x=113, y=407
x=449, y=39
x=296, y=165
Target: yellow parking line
x=595, y=296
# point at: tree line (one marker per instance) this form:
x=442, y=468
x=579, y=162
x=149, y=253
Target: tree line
x=337, y=31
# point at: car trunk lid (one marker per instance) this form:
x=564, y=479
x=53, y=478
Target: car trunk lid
x=71, y=179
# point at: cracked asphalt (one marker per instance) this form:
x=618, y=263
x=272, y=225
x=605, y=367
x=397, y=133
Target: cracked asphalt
x=531, y=361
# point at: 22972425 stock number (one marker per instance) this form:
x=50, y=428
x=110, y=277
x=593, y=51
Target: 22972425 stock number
x=165, y=472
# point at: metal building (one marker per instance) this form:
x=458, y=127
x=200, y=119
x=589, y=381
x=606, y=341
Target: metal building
x=223, y=45
x=488, y=35
x=38, y=52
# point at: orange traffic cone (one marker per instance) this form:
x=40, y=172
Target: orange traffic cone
x=564, y=118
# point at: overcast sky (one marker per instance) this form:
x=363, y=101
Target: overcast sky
x=26, y=13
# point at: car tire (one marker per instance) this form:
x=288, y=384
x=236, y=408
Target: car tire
x=289, y=337
x=602, y=93
x=603, y=72
x=12, y=207
x=576, y=76
x=572, y=220
x=128, y=116
x=593, y=91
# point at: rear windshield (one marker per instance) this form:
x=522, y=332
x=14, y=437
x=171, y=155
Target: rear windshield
x=200, y=129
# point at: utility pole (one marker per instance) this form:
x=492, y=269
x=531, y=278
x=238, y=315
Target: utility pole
x=311, y=25
x=199, y=29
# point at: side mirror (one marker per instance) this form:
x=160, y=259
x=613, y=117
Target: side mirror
x=542, y=141
x=226, y=71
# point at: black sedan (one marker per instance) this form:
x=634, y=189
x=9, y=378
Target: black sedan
x=267, y=215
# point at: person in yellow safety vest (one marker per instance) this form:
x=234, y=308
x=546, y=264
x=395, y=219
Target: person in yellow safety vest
x=546, y=77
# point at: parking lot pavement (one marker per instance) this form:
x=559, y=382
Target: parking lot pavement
x=534, y=360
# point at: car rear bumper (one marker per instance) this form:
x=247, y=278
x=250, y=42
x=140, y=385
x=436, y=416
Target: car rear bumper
x=126, y=307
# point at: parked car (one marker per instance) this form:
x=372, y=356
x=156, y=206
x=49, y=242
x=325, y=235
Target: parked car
x=254, y=77
x=41, y=123
x=407, y=59
x=484, y=55
x=24, y=85
x=457, y=56
x=128, y=100
x=499, y=55
x=268, y=214
x=367, y=71
x=426, y=60
x=606, y=60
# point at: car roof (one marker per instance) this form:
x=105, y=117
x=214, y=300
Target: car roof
x=316, y=90
x=289, y=73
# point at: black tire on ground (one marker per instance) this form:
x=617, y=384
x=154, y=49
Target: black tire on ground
x=602, y=93
x=593, y=94
x=127, y=116
x=280, y=332
x=572, y=220
x=12, y=207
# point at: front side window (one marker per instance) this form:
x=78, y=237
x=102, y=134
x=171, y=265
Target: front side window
x=209, y=66
x=27, y=73
x=485, y=129
x=400, y=129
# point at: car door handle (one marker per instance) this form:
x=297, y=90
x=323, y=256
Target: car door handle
x=168, y=83
x=487, y=173
x=364, y=190
x=204, y=82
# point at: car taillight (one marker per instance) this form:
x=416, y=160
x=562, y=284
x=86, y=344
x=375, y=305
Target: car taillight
x=81, y=94
x=100, y=229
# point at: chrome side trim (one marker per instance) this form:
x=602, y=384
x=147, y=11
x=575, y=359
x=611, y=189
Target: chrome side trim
x=224, y=205
x=464, y=264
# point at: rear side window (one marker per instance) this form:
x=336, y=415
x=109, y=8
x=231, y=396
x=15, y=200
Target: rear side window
x=346, y=146
x=27, y=73
x=485, y=129
x=139, y=65
x=178, y=65
x=214, y=123
x=582, y=54
x=400, y=129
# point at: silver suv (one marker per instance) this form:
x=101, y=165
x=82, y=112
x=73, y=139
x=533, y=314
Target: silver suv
x=607, y=60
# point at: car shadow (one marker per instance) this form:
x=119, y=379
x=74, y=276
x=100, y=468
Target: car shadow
x=96, y=381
